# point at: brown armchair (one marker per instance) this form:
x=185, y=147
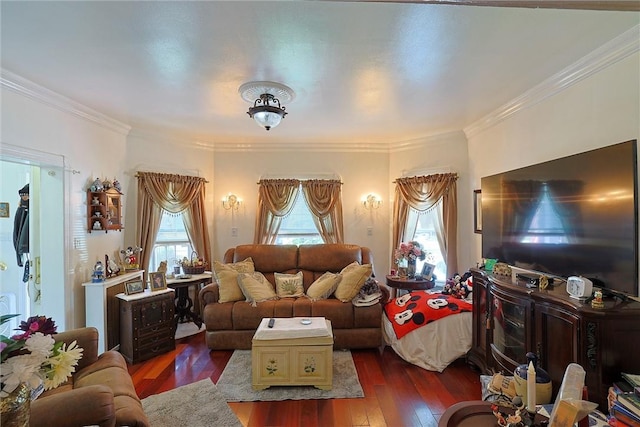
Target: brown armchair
x=100, y=392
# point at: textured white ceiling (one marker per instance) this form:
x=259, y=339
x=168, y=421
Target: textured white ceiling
x=362, y=72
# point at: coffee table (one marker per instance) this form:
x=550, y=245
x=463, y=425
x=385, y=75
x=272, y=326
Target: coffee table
x=293, y=352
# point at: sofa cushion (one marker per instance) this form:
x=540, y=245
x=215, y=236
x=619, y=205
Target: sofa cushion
x=227, y=279
x=289, y=285
x=323, y=286
x=353, y=277
x=255, y=287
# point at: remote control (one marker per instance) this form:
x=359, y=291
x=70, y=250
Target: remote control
x=272, y=321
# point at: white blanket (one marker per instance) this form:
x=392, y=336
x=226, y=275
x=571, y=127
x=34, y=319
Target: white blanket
x=292, y=327
x=435, y=345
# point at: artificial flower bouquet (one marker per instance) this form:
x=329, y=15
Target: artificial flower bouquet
x=410, y=251
x=34, y=358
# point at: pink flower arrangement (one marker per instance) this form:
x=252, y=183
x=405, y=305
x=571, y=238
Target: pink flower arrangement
x=409, y=251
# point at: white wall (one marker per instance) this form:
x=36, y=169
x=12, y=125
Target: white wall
x=90, y=148
x=361, y=174
x=599, y=111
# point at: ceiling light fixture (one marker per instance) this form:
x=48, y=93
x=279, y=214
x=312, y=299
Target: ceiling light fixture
x=266, y=97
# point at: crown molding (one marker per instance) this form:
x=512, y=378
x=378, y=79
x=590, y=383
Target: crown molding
x=621, y=47
x=53, y=99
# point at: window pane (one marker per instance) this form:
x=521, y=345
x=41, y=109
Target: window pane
x=172, y=243
x=426, y=236
x=298, y=228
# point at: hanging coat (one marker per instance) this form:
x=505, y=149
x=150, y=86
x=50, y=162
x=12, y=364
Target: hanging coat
x=21, y=231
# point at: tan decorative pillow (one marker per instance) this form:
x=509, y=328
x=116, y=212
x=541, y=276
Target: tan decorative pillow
x=353, y=277
x=227, y=279
x=323, y=286
x=289, y=285
x=256, y=287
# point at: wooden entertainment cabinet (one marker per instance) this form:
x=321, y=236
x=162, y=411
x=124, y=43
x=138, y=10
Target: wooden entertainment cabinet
x=510, y=319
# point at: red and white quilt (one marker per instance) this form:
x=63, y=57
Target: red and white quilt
x=417, y=308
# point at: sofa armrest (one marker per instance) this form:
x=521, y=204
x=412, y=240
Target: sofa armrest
x=209, y=294
x=91, y=405
x=87, y=339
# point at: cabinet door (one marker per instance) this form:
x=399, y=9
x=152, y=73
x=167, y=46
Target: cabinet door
x=557, y=341
x=481, y=321
x=114, y=210
x=511, y=333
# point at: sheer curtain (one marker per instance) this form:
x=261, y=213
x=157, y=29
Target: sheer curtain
x=276, y=198
x=159, y=192
x=423, y=193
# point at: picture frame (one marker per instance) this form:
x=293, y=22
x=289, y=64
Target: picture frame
x=158, y=281
x=427, y=271
x=133, y=287
x=477, y=211
x=4, y=210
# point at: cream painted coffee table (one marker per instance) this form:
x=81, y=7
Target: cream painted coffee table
x=293, y=353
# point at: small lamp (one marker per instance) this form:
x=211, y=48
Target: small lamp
x=231, y=202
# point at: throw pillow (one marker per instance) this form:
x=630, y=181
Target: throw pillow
x=323, y=286
x=353, y=277
x=289, y=285
x=255, y=287
x=227, y=279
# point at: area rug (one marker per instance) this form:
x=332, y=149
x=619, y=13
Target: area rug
x=235, y=382
x=188, y=329
x=196, y=404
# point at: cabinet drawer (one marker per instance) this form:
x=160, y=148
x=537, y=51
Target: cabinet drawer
x=159, y=336
x=153, y=313
x=149, y=330
x=153, y=349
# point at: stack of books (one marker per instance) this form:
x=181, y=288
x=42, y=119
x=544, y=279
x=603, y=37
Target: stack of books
x=624, y=401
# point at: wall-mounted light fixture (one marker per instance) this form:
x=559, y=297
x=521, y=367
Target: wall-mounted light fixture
x=371, y=201
x=231, y=202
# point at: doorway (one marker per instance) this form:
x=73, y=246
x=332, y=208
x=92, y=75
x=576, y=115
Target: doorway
x=40, y=290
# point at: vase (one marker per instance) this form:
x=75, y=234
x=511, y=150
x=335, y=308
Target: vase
x=14, y=409
x=411, y=268
x=403, y=267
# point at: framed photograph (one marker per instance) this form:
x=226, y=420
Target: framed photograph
x=133, y=287
x=158, y=281
x=4, y=209
x=427, y=271
x=477, y=211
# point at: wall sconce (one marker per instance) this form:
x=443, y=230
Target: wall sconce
x=231, y=202
x=371, y=202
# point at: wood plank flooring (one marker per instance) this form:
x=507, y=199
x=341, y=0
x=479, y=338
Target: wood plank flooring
x=397, y=393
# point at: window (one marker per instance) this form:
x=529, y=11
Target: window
x=172, y=243
x=298, y=227
x=427, y=237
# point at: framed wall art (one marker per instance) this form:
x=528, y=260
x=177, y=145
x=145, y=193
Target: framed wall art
x=4, y=210
x=477, y=211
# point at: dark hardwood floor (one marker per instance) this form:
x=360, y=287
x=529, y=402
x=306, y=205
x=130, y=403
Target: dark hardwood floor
x=396, y=393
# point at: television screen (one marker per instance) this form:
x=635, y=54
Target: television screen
x=572, y=216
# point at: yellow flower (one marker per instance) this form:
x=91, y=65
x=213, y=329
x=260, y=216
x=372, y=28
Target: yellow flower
x=62, y=364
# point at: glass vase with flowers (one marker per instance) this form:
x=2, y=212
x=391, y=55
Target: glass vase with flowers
x=406, y=256
x=32, y=360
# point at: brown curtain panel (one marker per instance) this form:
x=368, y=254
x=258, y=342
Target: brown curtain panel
x=324, y=198
x=423, y=193
x=158, y=192
x=275, y=200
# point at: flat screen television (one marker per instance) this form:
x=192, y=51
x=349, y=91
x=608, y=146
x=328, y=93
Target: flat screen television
x=577, y=215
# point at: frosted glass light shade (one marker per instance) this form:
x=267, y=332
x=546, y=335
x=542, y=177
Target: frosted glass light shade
x=267, y=119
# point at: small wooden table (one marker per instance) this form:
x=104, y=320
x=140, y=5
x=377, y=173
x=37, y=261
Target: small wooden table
x=288, y=355
x=184, y=303
x=396, y=282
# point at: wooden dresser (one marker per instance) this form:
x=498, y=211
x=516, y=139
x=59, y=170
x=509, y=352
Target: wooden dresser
x=510, y=319
x=147, y=325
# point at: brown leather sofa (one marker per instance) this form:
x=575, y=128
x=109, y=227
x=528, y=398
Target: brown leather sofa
x=231, y=325
x=100, y=392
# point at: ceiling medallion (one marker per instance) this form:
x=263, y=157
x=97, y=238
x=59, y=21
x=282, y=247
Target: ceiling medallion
x=267, y=110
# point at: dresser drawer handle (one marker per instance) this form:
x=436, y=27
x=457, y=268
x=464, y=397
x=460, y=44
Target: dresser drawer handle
x=155, y=349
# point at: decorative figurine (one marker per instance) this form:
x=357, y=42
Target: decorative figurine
x=597, y=302
x=97, y=185
x=131, y=257
x=117, y=185
x=106, y=184
x=98, y=273
x=97, y=226
x=112, y=267
x=95, y=201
